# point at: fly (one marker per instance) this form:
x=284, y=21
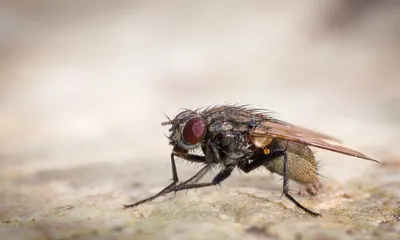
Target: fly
x=232, y=136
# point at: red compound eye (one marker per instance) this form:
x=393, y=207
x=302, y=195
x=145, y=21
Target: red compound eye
x=194, y=130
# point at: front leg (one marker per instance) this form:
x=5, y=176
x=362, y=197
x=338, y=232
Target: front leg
x=175, y=178
x=213, y=156
x=220, y=177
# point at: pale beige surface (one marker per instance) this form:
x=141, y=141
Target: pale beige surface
x=84, y=87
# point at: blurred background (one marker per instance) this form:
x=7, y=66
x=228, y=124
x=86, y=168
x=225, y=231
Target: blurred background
x=88, y=82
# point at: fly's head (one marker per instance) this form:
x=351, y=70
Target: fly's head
x=187, y=131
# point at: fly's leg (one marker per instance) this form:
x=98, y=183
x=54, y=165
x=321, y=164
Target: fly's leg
x=175, y=179
x=199, y=159
x=256, y=163
x=260, y=161
x=286, y=184
x=220, y=177
x=191, y=182
x=197, y=176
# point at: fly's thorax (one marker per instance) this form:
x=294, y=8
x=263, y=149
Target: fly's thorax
x=218, y=127
x=226, y=147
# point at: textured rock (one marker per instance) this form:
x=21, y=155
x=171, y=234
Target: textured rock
x=54, y=209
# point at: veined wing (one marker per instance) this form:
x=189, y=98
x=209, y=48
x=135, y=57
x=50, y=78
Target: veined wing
x=301, y=135
x=310, y=133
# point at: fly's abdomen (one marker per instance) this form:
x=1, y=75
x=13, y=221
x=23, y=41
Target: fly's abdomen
x=302, y=166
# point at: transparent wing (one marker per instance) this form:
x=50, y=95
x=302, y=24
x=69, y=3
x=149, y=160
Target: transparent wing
x=302, y=135
x=314, y=134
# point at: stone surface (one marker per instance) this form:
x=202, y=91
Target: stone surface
x=49, y=205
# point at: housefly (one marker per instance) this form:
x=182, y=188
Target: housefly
x=233, y=136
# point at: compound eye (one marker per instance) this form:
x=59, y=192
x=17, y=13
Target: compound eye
x=194, y=131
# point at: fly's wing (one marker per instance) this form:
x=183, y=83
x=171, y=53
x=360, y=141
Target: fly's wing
x=308, y=137
x=314, y=134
